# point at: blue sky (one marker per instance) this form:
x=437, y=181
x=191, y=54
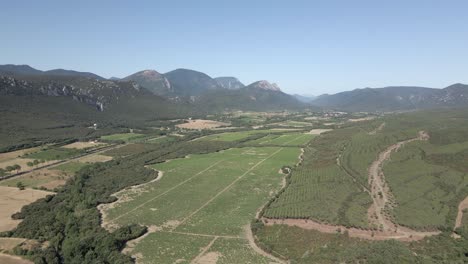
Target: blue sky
x=309, y=47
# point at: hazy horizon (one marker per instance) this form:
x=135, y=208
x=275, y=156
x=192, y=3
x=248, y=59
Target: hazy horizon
x=306, y=48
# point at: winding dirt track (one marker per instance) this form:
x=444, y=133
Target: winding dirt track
x=380, y=192
x=381, y=197
x=461, y=207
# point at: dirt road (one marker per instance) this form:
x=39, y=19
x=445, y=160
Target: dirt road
x=461, y=207
x=380, y=192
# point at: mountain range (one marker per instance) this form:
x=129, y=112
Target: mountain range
x=395, y=98
x=201, y=92
x=181, y=87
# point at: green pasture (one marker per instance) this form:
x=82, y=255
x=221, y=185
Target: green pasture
x=70, y=166
x=290, y=139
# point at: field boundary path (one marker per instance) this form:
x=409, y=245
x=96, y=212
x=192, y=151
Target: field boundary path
x=381, y=195
x=196, y=260
x=379, y=128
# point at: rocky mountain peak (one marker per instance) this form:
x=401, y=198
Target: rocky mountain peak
x=149, y=73
x=266, y=85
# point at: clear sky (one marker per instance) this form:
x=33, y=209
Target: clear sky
x=309, y=47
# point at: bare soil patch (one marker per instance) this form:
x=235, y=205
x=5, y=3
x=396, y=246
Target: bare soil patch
x=318, y=131
x=47, y=178
x=8, y=243
x=285, y=129
x=202, y=124
x=361, y=119
x=93, y=158
x=83, y=145
x=12, y=200
x=10, y=259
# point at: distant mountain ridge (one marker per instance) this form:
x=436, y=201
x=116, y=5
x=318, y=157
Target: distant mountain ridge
x=15, y=70
x=202, y=91
x=181, y=88
x=395, y=98
x=305, y=98
x=256, y=97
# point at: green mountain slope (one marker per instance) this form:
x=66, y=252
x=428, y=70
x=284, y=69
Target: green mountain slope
x=395, y=98
x=190, y=83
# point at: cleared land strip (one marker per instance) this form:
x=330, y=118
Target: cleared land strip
x=167, y=191
x=381, y=195
x=225, y=189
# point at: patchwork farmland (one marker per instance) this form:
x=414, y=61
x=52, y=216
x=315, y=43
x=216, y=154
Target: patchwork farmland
x=260, y=195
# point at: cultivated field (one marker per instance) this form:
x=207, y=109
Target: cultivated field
x=11, y=201
x=320, y=189
x=291, y=139
x=234, y=136
x=202, y=124
x=291, y=123
x=201, y=205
